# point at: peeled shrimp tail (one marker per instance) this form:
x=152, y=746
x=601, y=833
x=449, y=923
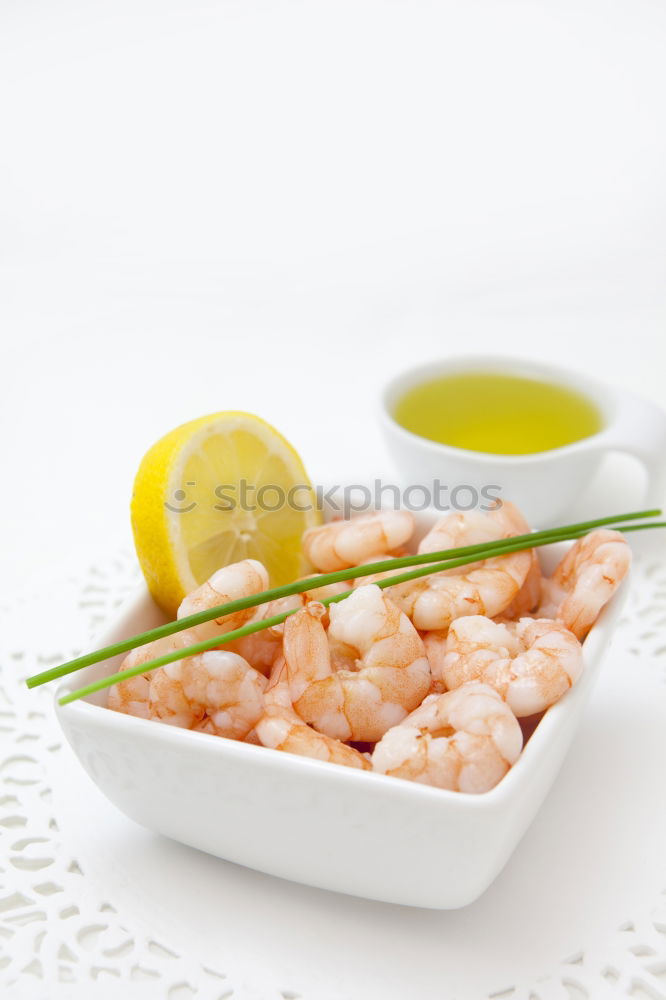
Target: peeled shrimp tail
x=227, y=689
x=238, y=580
x=158, y=694
x=487, y=587
x=528, y=597
x=341, y=544
x=530, y=663
x=281, y=728
x=362, y=677
x=465, y=740
x=586, y=579
x=261, y=649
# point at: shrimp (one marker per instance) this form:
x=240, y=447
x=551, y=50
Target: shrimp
x=158, y=694
x=585, y=580
x=465, y=740
x=216, y=692
x=261, y=648
x=434, y=643
x=241, y=579
x=486, y=587
x=328, y=590
x=281, y=728
x=361, y=678
x=530, y=663
x=131, y=696
x=528, y=597
x=341, y=544
x=360, y=581
x=227, y=689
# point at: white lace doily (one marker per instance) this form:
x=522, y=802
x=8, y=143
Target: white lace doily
x=91, y=905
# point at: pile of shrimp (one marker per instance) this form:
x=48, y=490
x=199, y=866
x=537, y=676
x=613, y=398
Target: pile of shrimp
x=437, y=681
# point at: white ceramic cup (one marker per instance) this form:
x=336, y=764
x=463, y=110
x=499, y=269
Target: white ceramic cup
x=543, y=484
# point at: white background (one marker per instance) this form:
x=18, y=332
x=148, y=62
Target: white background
x=276, y=205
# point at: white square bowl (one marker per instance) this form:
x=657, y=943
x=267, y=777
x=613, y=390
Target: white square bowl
x=317, y=823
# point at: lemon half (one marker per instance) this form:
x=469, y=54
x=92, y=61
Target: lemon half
x=215, y=490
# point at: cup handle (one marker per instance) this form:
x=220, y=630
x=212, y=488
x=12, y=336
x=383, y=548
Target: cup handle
x=640, y=430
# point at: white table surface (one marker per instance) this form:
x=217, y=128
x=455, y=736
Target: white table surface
x=275, y=207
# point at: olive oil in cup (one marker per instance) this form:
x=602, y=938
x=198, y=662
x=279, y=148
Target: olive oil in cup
x=497, y=413
x=521, y=430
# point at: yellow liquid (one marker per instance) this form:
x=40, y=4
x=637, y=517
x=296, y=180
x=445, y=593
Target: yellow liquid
x=501, y=414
